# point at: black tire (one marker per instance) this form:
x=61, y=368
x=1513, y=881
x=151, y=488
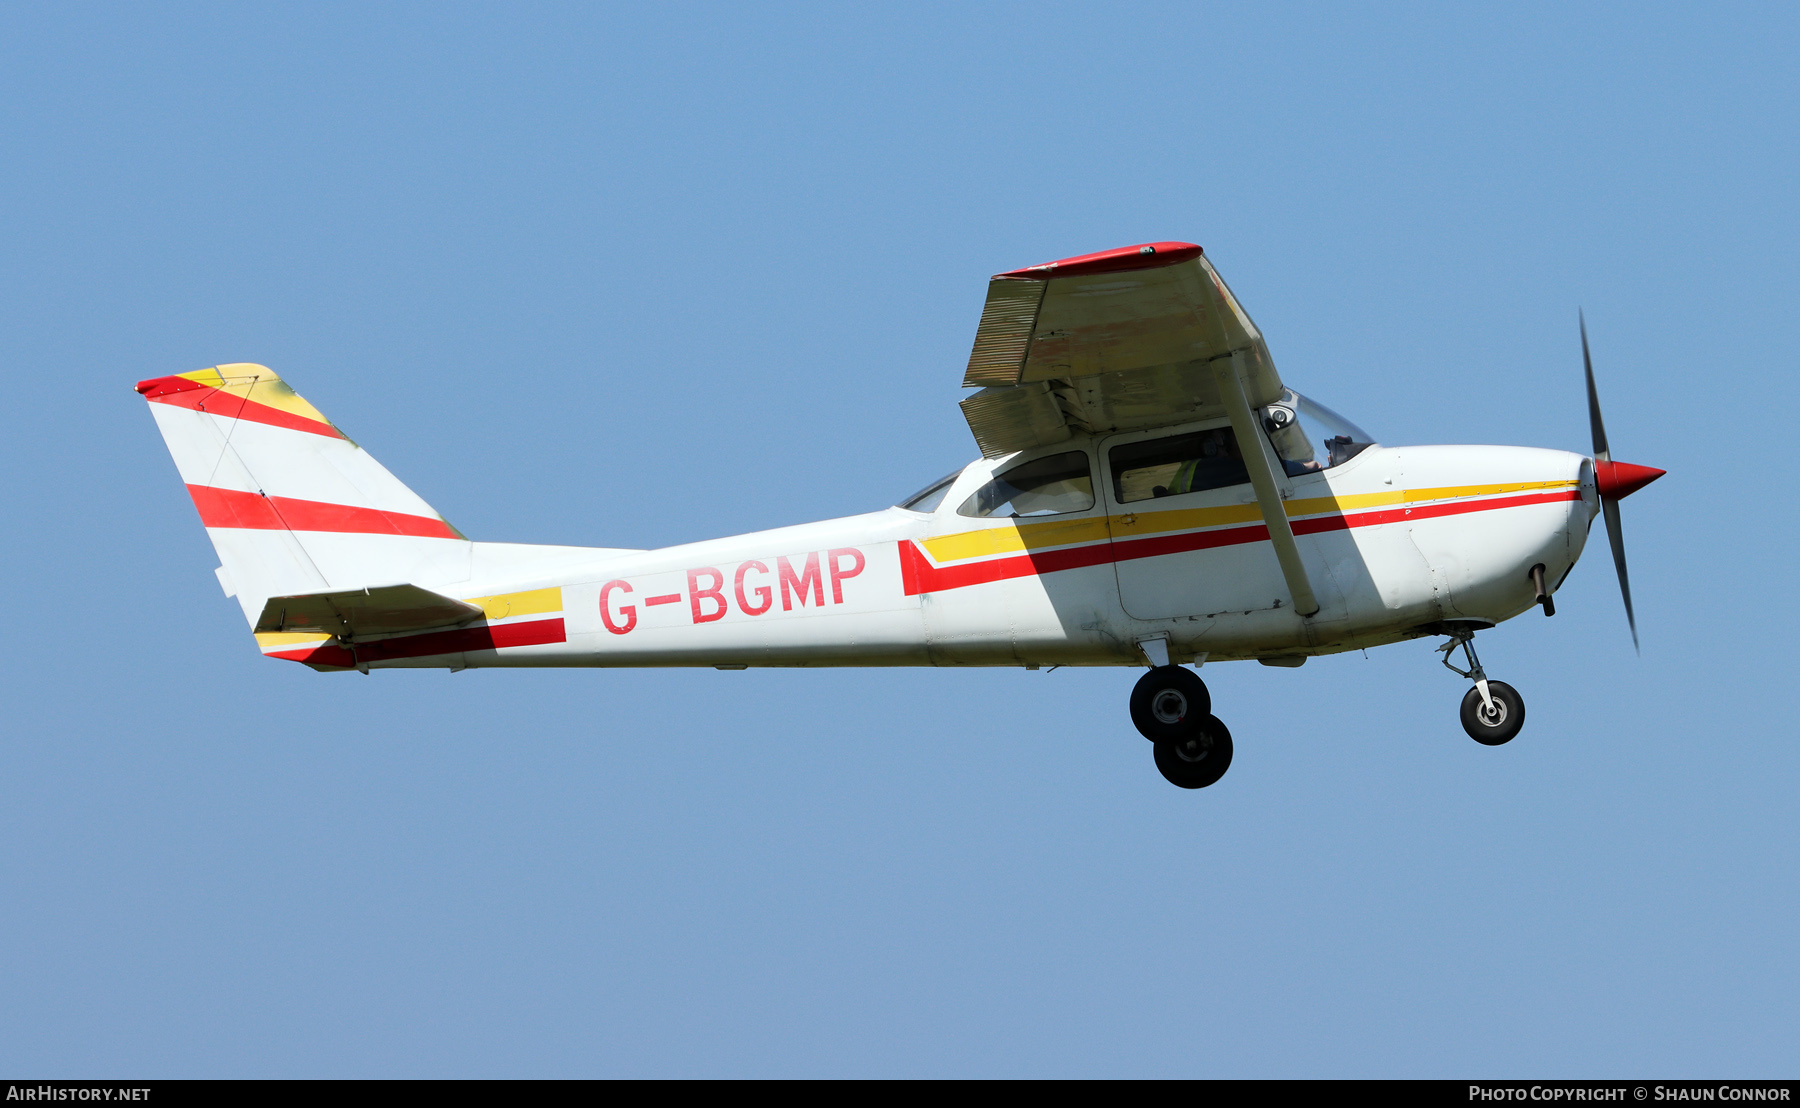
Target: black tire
x=1199, y=759
x=1169, y=702
x=1503, y=724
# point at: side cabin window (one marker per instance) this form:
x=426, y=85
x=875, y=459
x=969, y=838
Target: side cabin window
x=1179, y=464
x=1046, y=486
x=928, y=498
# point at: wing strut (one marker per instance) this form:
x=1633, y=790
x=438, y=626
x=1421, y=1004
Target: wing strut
x=1254, y=446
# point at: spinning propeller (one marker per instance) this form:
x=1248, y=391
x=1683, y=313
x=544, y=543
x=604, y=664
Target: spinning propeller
x=1615, y=480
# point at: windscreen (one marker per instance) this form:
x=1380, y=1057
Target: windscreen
x=1309, y=437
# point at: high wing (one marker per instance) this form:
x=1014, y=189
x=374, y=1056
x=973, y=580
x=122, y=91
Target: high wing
x=1125, y=340
x=1122, y=340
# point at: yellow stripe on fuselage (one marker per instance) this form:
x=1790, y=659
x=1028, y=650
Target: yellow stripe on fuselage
x=1322, y=505
x=1015, y=537
x=1455, y=491
x=510, y=604
x=268, y=639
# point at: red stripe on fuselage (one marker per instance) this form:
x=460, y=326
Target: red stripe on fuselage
x=918, y=575
x=252, y=511
x=484, y=637
x=216, y=401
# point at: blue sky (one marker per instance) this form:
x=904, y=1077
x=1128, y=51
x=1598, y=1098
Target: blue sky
x=637, y=275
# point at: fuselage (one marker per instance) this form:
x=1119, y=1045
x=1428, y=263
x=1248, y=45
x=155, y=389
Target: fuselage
x=1397, y=541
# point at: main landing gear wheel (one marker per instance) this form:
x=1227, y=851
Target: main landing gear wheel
x=1492, y=726
x=1196, y=760
x=1169, y=702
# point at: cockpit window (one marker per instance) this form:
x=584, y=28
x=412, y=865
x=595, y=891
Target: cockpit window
x=1295, y=424
x=1044, y=486
x=928, y=498
x=1178, y=464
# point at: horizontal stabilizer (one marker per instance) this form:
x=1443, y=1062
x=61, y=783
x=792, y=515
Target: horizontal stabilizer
x=360, y=613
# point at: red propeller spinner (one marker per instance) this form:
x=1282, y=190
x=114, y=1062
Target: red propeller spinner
x=1618, y=480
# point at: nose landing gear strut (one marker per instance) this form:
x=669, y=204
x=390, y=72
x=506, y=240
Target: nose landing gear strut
x=1492, y=711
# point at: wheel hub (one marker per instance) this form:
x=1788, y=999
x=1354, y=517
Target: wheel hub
x=1193, y=749
x=1169, y=706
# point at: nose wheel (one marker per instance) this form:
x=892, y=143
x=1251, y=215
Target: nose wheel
x=1172, y=708
x=1492, y=711
x=1498, y=719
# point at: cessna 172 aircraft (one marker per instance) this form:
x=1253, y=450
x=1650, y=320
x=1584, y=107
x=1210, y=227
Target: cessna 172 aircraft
x=1150, y=493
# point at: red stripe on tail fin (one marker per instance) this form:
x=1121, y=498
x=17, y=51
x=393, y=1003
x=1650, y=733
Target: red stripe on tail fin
x=231, y=508
x=179, y=392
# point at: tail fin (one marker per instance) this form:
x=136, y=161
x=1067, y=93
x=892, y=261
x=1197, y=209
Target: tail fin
x=290, y=503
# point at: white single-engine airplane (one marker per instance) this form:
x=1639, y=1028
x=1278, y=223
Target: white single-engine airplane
x=1149, y=494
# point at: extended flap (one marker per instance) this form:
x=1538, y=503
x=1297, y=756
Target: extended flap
x=360, y=613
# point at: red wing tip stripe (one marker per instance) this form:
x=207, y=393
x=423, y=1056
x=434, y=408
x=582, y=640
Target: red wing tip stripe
x=482, y=637
x=250, y=511
x=918, y=575
x=1148, y=255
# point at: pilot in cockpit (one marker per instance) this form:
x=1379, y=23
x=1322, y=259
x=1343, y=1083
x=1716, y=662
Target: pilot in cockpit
x=1218, y=454
x=1289, y=440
